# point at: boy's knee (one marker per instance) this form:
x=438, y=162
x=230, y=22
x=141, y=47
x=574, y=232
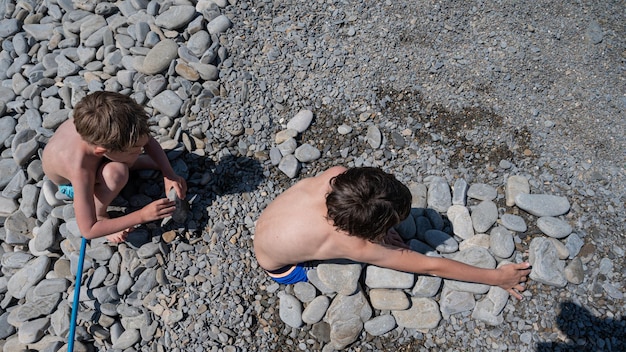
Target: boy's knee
x=115, y=173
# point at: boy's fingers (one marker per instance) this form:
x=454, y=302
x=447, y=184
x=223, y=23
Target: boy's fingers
x=524, y=268
x=168, y=208
x=513, y=293
x=182, y=189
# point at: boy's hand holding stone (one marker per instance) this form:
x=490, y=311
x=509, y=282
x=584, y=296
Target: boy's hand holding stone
x=178, y=183
x=158, y=209
x=511, y=277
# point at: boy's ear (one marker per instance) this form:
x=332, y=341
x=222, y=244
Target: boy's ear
x=100, y=151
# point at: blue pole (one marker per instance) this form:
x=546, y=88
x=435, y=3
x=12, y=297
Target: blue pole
x=79, y=274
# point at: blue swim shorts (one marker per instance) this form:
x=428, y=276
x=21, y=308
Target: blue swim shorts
x=67, y=190
x=298, y=274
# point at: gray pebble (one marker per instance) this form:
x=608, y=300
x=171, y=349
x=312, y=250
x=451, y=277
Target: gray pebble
x=574, y=243
x=453, y=302
x=33, y=331
x=542, y=204
x=6, y=329
x=419, y=194
x=439, y=195
x=341, y=278
x=377, y=277
x=553, y=227
x=168, y=103
x=127, y=339
x=574, y=271
x=459, y=192
x=461, y=221
x=301, y=121
x=304, y=291
x=315, y=310
x=8, y=168
x=423, y=314
x=289, y=165
x=501, y=242
x=374, y=137
x=513, y=222
x=175, y=17
x=27, y=277
x=546, y=266
x=484, y=215
x=388, y=299
x=515, y=185
x=441, y=241
x=476, y=256
x=14, y=188
x=347, y=314
x=159, y=57
x=344, y=129
x=288, y=146
x=290, y=310
x=482, y=191
x=307, y=153
x=275, y=156
x=218, y=25
x=380, y=325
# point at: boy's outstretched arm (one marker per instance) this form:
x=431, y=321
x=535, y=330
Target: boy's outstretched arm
x=170, y=178
x=508, y=277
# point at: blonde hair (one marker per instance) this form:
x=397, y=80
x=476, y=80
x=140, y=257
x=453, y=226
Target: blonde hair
x=110, y=120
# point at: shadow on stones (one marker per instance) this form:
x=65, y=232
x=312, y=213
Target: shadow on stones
x=586, y=332
x=235, y=175
x=230, y=175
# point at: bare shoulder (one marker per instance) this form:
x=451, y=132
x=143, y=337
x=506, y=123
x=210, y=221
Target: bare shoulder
x=332, y=172
x=64, y=159
x=341, y=245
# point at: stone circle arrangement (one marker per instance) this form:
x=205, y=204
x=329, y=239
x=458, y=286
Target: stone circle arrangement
x=349, y=298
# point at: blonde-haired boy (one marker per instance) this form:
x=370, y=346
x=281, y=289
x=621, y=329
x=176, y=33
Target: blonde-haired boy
x=90, y=156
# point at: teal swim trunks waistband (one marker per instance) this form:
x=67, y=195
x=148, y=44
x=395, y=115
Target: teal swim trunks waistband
x=67, y=190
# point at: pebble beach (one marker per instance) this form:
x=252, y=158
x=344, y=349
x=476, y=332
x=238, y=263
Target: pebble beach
x=506, y=120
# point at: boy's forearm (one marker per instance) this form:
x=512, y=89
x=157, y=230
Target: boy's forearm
x=452, y=269
x=105, y=227
x=154, y=150
x=410, y=261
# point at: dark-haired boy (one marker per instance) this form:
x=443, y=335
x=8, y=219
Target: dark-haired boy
x=348, y=213
x=89, y=158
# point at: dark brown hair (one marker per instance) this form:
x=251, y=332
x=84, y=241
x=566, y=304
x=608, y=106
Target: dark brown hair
x=366, y=202
x=110, y=120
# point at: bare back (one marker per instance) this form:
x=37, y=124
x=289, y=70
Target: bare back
x=65, y=156
x=294, y=228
